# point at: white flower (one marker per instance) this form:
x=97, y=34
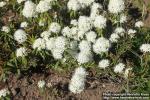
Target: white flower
x=74, y=33
x=101, y=45
x=119, y=68
x=74, y=22
x=85, y=46
x=21, y=52
x=57, y=54
x=45, y=35
x=54, y=27
x=29, y=9
x=59, y=47
x=20, y=36
x=131, y=32
x=80, y=35
x=50, y=43
x=104, y=63
x=5, y=29
x=116, y=6
x=78, y=79
x=120, y=31
x=20, y=1
x=85, y=3
x=39, y=44
x=100, y=22
x=139, y=24
x=41, y=84
x=61, y=42
x=114, y=37
x=91, y=36
x=123, y=18
x=66, y=31
x=84, y=23
x=126, y=73
x=4, y=92
x=73, y=5
x=24, y=24
x=145, y=48
x=95, y=10
x=2, y=3
x=95, y=7
x=84, y=57
x=43, y=6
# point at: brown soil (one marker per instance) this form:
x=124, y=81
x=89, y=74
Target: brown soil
x=25, y=88
x=147, y=21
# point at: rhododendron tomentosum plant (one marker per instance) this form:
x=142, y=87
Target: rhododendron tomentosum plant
x=63, y=33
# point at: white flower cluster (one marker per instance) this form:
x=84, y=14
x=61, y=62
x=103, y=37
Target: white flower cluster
x=46, y=35
x=21, y=52
x=4, y=92
x=139, y=24
x=43, y=6
x=29, y=9
x=5, y=29
x=73, y=5
x=77, y=83
x=91, y=36
x=131, y=32
x=120, y=31
x=95, y=10
x=104, y=63
x=41, y=83
x=85, y=54
x=76, y=5
x=119, y=68
x=79, y=29
x=2, y=3
x=74, y=22
x=114, y=37
x=56, y=45
x=39, y=44
x=126, y=73
x=20, y=36
x=50, y=43
x=100, y=22
x=23, y=24
x=101, y=45
x=54, y=27
x=59, y=47
x=84, y=23
x=85, y=3
x=123, y=18
x=116, y=6
x=145, y=48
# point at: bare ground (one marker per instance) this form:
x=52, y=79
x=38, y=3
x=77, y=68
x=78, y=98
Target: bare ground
x=147, y=21
x=25, y=87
